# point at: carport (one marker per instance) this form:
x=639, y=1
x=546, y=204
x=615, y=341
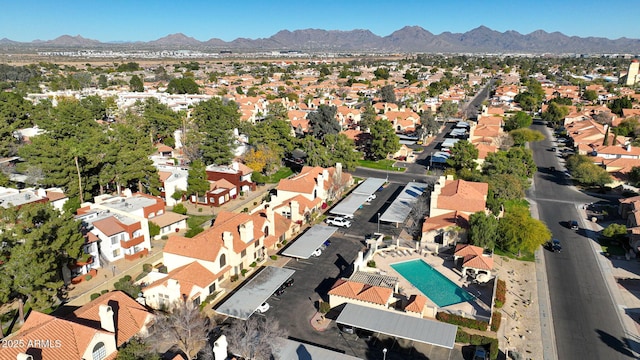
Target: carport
x=398, y=325
x=291, y=349
x=307, y=243
x=448, y=143
x=244, y=302
x=400, y=208
x=350, y=204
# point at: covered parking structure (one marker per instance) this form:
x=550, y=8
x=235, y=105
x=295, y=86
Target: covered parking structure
x=307, y=243
x=399, y=325
x=244, y=302
x=354, y=201
x=291, y=349
x=400, y=208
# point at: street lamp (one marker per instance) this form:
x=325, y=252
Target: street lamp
x=384, y=354
x=378, y=223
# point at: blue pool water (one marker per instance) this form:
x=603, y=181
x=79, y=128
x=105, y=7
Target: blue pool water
x=431, y=283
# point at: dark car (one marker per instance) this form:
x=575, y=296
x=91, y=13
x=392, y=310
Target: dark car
x=554, y=245
x=288, y=283
x=554, y=149
x=481, y=353
x=280, y=290
x=573, y=225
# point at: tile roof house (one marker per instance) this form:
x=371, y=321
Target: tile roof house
x=93, y=331
x=226, y=249
x=313, y=183
x=435, y=229
x=348, y=291
x=474, y=259
x=457, y=195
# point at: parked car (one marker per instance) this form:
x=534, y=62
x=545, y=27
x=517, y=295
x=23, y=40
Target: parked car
x=338, y=221
x=371, y=197
x=573, y=225
x=263, y=308
x=481, y=353
x=317, y=252
x=289, y=282
x=554, y=245
x=554, y=149
x=280, y=290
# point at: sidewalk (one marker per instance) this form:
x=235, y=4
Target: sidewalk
x=614, y=270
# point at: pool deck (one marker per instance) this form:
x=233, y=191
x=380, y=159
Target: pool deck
x=483, y=293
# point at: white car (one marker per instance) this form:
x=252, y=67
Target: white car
x=371, y=197
x=263, y=308
x=339, y=221
x=317, y=253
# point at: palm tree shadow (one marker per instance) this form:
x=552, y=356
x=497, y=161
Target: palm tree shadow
x=615, y=343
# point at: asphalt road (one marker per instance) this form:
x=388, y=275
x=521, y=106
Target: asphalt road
x=585, y=320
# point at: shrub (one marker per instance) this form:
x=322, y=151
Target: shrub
x=125, y=278
x=245, y=210
x=255, y=203
x=465, y=338
x=193, y=232
x=371, y=264
x=104, y=291
x=234, y=278
x=462, y=321
x=324, y=307
x=162, y=269
x=154, y=229
x=147, y=268
x=244, y=272
x=88, y=277
x=284, y=242
x=164, y=237
x=253, y=264
x=95, y=296
x=199, y=209
x=496, y=318
x=180, y=209
x=501, y=293
x=274, y=257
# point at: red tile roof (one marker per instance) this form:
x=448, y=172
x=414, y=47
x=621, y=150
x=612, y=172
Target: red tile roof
x=463, y=195
x=363, y=292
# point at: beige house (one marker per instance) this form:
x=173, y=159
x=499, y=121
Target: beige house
x=457, y=195
x=473, y=260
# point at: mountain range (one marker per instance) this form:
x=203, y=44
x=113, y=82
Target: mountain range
x=407, y=39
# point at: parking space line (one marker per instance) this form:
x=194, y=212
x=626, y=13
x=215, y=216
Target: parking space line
x=292, y=268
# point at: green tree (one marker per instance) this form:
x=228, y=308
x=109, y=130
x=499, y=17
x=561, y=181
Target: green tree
x=428, y=123
x=136, y=84
x=618, y=104
x=588, y=173
x=448, y=109
x=590, y=95
x=368, y=118
x=38, y=241
x=517, y=161
x=184, y=85
x=627, y=127
x=463, y=156
x=342, y=149
x=323, y=121
x=102, y=81
x=217, y=119
x=519, y=120
x=14, y=114
x=615, y=231
x=197, y=183
x=96, y=105
x=525, y=135
x=317, y=154
x=634, y=175
x=483, y=230
x=137, y=349
x=387, y=94
x=381, y=73
x=527, y=101
x=384, y=140
x=506, y=186
x=519, y=232
x=555, y=113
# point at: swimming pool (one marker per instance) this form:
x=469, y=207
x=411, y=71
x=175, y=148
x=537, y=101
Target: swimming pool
x=431, y=283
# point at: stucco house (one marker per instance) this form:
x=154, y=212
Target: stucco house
x=457, y=195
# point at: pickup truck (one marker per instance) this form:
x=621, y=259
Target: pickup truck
x=338, y=221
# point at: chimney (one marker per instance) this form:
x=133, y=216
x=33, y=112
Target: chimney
x=271, y=220
x=227, y=240
x=106, y=318
x=629, y=147
x=339, y=170
x=295, y=211
x=246, y=231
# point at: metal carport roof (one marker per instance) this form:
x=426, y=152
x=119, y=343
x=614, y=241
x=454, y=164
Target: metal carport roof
x=369, y=186
x=400, y=208
x=246, y=300
x=294, y=350
x=396, y=324
x=308, y=242
x=350, y=204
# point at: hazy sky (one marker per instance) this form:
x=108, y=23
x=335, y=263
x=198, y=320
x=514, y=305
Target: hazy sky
x=145, y=20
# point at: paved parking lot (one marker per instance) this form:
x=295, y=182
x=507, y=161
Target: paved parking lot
x=314, y=277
